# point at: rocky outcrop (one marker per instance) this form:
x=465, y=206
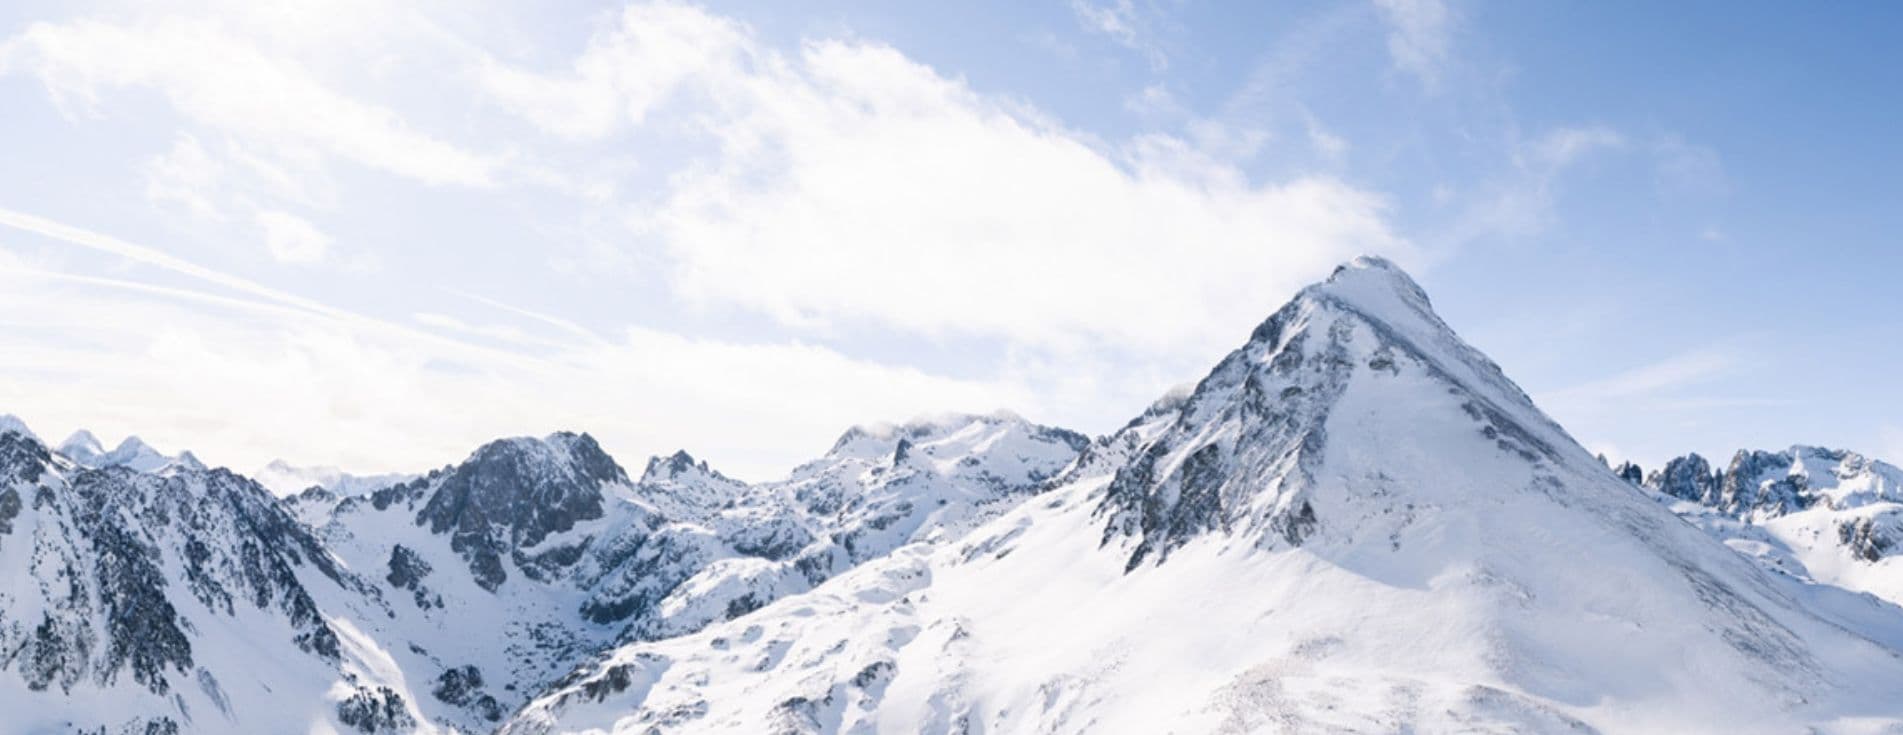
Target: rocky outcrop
x=512, y=494
x=1762, y=485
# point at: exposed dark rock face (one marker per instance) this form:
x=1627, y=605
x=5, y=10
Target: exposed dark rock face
x=1687, y=478
x=407, y=571
x=1273, y=392
x=1630, y=473
x=406, y=568
x=512, y=494
x=1872, y=538
x=102, y=541
x=1258, y=420
x=378, y=710
x=1742, y=490
x=462, y=686
x=9, y=509
x=22, y=458
x=142, y=628
x=1764, y=484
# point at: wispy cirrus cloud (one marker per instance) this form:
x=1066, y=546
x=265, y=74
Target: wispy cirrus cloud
x=227, y=82
x=242, y=373
x=1419, y=36
x=1674, y=372
x=1124, y=22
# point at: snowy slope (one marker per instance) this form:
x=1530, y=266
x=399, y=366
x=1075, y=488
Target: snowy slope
x=1355, y=523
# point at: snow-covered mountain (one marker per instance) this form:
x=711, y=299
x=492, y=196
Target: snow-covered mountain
x=1355, y=523
x=163, y=603
x=443, y=601
x=85, y=450
x=1822, y=515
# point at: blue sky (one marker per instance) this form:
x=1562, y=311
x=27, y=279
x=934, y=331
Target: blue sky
x=351, y=234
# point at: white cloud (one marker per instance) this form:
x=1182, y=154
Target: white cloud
x=1325, y=142
x=225, y=82
x=853, y=186
x=653, y=50
x=1418, y=36
x=292, y=239
x=185, y=176
x=1121, y=22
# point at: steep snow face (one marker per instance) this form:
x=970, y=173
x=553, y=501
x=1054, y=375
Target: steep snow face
x=1822, y=515
x=163, y=603
x=1354, y=524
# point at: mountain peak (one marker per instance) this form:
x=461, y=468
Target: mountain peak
x=1376, y=285
x=135, y=454
x=12, y=423
x=82, y=446
x=1265, y=415
x=132, y=443
x=663, y=468
x=188, y=461
x=513, y=493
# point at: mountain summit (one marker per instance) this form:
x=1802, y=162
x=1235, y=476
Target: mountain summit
x=1355, y=523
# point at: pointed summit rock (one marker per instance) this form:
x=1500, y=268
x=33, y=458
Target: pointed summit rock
x=684, y=488
x=512, y=493
x=1260, y=421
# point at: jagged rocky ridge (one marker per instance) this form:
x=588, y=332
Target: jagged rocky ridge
x=1355, y=523
x=1816, y=514
x=130, y=597
x=445, y=600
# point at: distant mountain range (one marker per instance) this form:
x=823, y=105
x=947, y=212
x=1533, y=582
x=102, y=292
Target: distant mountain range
x=1354, y=523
